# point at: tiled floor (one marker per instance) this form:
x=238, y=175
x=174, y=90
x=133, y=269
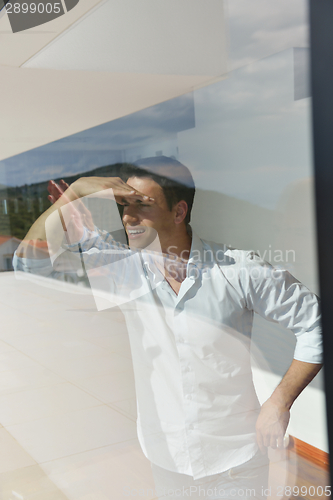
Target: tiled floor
x=12, y=455
x=67, y=399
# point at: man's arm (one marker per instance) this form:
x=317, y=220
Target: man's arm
x=277, y=296
x=275, y=412
x=30, y=246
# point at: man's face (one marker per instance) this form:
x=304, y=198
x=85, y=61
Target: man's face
x=144, y=221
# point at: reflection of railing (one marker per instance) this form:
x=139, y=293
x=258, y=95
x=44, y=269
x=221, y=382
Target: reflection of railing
x=305, y=472
x=305, y=450
x=19, y=208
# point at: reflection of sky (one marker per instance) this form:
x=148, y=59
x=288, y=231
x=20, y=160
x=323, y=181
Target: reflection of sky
x=260, y=28
x=250, y=138
x=102, y=145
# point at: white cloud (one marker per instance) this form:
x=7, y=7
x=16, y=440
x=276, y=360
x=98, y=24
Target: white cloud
x=259, y=28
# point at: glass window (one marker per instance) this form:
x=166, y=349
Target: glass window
x=133, y=337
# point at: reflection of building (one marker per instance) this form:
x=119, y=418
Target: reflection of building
x=8, y=245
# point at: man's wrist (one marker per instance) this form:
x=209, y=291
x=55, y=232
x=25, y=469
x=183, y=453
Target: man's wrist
x=75, y=190
x=279, y=401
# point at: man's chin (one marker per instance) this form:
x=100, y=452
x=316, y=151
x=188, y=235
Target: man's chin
x=136, y=244
x=143, y=240
x=139, y=243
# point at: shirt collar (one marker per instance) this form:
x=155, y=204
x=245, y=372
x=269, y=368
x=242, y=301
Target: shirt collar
x=201, y=258
x=196, y=253
x=153, y=260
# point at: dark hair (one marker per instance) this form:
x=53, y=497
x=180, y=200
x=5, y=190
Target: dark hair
x=174, y=178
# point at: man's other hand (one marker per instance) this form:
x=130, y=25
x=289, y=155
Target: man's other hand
x=56, y=190
x=271, y=425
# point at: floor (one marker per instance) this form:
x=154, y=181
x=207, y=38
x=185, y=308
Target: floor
x=67, y=399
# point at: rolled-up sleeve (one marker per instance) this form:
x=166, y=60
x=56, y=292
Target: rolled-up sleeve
x=42, y=267
x=277, y=296
x=72, y=261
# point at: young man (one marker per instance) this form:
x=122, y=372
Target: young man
x=190, y=320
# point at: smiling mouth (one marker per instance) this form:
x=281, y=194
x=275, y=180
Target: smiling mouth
x=134, y=233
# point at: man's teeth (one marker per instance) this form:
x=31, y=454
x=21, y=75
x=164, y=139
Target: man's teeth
x=136, y=231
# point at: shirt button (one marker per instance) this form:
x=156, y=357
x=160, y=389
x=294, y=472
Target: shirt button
x=187, y=369
x=181, y=339
x=188, y=396
x=191, y=427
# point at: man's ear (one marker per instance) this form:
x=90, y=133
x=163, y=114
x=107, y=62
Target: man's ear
x=181, y=211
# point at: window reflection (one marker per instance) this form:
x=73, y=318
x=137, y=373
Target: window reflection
x=246, y=139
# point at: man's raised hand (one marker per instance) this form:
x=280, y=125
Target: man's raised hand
x=73, y=213
x=123, y=193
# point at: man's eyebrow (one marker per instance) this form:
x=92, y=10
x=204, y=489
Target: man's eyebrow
x=138, y=202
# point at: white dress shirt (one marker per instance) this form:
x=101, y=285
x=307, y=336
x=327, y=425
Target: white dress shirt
x=196, y=401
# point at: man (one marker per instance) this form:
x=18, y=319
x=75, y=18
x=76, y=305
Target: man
x=190, y=320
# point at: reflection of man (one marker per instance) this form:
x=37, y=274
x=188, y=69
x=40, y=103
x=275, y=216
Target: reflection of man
x=190, y=328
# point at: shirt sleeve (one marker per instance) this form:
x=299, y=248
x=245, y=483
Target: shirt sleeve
x=42, y=267
x=95, y=249
x=277, y=296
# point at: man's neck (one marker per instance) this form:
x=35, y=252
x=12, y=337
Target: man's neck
x=178, y=247
x=176, y=256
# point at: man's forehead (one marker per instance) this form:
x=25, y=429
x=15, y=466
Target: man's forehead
x=142, y=183
x=148, y=186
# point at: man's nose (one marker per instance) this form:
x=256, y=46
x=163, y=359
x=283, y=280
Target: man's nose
x=130, y=214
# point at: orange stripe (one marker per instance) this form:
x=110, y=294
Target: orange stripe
x=309, y=452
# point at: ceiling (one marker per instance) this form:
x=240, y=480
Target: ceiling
x=102, y=60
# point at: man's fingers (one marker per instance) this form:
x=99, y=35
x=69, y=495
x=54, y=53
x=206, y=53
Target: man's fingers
x=128, y=191
x=280, y=442
x=50, y=187
x=266, y=440
x=261, y=443
x=276, y=441
x=269, y=440
x=132, y=196
x=54, y=189
x=64, y=184
x=273, y=442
